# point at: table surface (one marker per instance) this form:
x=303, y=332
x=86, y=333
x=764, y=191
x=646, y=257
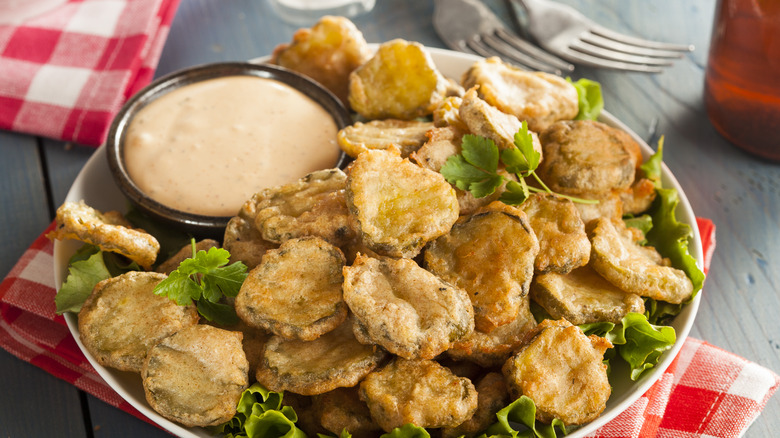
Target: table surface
x=738, y=192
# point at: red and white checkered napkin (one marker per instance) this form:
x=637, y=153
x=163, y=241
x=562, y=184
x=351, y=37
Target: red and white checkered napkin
x=705, y=392
x=66, y=72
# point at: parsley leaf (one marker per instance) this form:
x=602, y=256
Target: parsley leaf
x=481, y=152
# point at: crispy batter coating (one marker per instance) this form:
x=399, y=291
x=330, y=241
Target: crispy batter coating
x=196, y=376
x=110, y=231
x=609, y=206
x=400, y=81
x=398, y=205
x=537, y=97
x=441, y=144
x=563, y=243
x=335, y=359
x=561, y=370
x=585, y=156
x=639, y=197
x=243, y=241
x=295, y=292
x=123, y=318
x=342, y=409
x=491, y=256
x=583, y=296
x=492, y=396
x=312, y=206
x=327, y=53
x=494, y=348
x=421, y=392
x=184, y=253
x=406, y=135
x=447, y=113
x=635, y=268
x=404, y=308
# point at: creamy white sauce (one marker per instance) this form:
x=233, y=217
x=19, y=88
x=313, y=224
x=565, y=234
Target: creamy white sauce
x=207, y=147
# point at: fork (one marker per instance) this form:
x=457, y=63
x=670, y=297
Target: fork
x=470, y=26
x=562, y=30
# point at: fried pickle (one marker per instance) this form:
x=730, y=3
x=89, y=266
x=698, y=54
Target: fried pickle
x=639, y=197
x=618, y=257
x=583, y=296
x=421, y=392
x=563, y=243
x=342, y=409
x=404, y=308
x=123, y=318
x=491, y=256
x=562, y=371
x=447, y=113
x=295, y=292
x=335, y=359
x=398, y=206
x=406, y=135
x=492, y=396
x=109, y=231
x=327, y=53
x=196, y=376
x=536, y=97
x=243, y=241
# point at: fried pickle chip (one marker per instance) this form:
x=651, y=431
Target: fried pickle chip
x=406, y=135
x=585, y=156
x=295, y=292
x=537, y=97
x=563, y=243
x=312, y=206
x=447, y=113
x=334, y=360
x=609, y=206
x=184, y=253
x=491, y=256
x=243, y=241
x=400, y=81
x=110, y=231
x=494, y=348
x=492, y=396
x=123, y=318
x=196, y=376
x=561, y=370
x=583, y=296
x=398, y=206
x=618, y=257
x=342, y=409
x=327, y=53
x=404, y=308
x=421, y=392
x=639, y=197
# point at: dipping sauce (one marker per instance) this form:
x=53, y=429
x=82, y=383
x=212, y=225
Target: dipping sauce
x=207, y=147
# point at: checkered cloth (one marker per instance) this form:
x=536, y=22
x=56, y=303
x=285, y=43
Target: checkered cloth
x=65, y=73
x=705, y=392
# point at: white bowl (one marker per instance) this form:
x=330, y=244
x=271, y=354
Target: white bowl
x=96, y=187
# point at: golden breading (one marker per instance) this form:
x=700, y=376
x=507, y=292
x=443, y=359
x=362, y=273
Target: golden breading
x=327, y=53
x=421, y=392
x=447, y=113
x=561, y=370
x=492, y=396
x=635, y=268
x=312, y=206
x=563, y=243
x=491, y=256
x=583, y=296
x=404, y=308
x=110, y=231
x=253, y=343
x=184, y=253
x=398, y=206
x=406, y=135
x=196, y=376
x=295, y=292
x=400, y=81
x=334, y=360
x=639, y=197
x=585, y=156
x=243, y=241
x=342, y=409
x=123, y=318
x=494, y=348
x=609, y=206
x=537, y=97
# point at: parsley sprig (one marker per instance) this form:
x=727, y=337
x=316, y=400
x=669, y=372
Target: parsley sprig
x=205, y=279
x=475, y=169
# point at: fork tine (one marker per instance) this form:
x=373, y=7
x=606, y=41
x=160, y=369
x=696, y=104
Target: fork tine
x=479, y=44
x=534, y=51
x=586, y=59
x=598, y=40
x=507, y=51
x=601, y=52
x=627, y=39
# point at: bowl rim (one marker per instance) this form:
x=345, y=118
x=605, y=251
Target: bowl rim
x=198, y=223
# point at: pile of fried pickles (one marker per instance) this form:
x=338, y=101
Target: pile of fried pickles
x=382, y=294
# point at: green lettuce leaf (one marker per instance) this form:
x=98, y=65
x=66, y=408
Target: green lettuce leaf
x=260, y=414
x=640, y=343
x=86, y=269
x=519, y=413
x=589, y=97
x=407, y=431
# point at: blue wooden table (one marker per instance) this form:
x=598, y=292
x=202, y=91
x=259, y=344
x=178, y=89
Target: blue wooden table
x=738, y=192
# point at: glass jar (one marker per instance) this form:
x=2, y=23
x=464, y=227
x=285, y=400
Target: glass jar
x=742, y=82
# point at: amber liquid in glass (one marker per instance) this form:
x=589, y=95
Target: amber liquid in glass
x=742, y=83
